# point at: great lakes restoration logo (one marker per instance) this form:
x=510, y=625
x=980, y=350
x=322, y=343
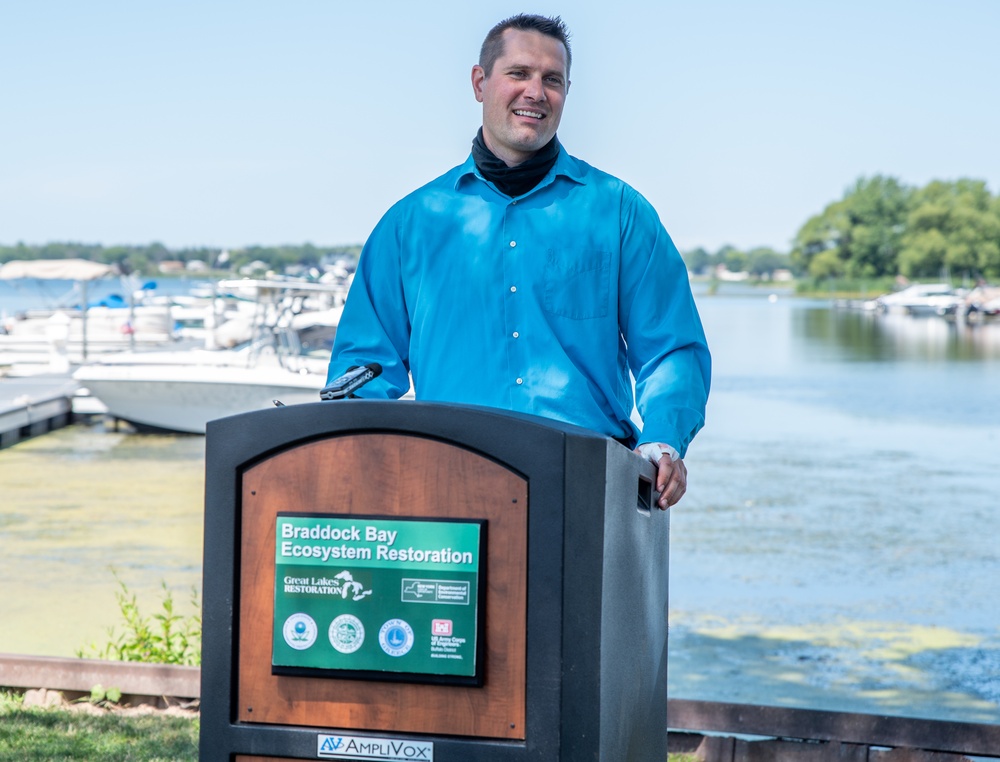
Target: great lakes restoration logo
x=396, y=637
x=383, y=749
x=300, y=631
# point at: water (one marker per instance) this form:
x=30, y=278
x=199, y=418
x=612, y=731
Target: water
x=837, y=545
x=31, y=293
x=836, y=548
x=80, y=505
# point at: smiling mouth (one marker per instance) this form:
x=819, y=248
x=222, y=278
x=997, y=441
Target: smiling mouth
x=530, y=114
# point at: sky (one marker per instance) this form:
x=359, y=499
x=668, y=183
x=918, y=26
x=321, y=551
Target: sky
x=229, y=123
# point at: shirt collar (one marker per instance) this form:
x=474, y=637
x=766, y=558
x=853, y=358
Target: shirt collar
x=565, y=166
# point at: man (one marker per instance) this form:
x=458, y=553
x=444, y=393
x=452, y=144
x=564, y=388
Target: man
x=525, y=279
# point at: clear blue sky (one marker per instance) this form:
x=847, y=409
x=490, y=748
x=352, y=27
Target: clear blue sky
x=235, y=122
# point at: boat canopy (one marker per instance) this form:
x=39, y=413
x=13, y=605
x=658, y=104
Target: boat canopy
x=54, y=269
x=79, y=270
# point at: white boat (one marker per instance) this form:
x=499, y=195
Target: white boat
x=922, y=299
x=982, y=303
x=106, y=328
x=184, y=397
x=183, y=390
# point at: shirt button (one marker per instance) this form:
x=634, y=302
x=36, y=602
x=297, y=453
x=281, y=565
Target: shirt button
x=513, y=289
x=520, y=381
x=515, y=334
x=513, y=244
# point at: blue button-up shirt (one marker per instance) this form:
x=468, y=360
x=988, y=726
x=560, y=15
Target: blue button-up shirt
x=542, y=303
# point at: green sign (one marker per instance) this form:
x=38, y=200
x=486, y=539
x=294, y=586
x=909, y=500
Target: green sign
x=375, y=598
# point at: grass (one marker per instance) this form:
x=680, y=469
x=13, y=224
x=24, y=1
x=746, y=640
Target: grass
x=37, y=735
x=43, y=735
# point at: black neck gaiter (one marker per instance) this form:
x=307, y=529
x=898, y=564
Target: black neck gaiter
x=518, y=179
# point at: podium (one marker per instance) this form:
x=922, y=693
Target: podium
x=414, y=581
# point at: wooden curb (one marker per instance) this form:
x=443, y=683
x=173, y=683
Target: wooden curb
x=80, y=675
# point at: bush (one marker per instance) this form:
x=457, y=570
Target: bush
x=164, y=638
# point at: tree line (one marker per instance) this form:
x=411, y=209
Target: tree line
x=146, y=260
x=761, y=262
x=882, y=227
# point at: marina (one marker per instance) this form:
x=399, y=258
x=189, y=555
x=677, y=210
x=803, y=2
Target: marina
x=834, y=552
x=225, y=347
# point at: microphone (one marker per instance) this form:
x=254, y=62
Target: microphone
x=345, y=385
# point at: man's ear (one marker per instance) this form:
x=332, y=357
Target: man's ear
x=478, y=78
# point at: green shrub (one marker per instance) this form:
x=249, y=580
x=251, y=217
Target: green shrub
x=165, y=638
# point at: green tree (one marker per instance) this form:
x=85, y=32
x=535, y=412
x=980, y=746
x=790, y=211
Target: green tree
x=763, y=261
x=953, y=227
x=734, y=259
x=858, y=236
x=877, y=212
x=697, y=260
x=818, y=247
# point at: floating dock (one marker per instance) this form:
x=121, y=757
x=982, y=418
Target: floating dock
x=34, y=405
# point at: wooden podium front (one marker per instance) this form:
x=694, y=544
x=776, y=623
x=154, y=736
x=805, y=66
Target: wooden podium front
x=574, y=593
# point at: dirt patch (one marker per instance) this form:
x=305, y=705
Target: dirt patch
x=44, y=698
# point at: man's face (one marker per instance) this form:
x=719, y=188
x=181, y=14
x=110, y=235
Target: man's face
x=523, y=96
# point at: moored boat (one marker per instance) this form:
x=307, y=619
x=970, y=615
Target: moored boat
x=184, y=397
x=183, y=390
x=922, y=299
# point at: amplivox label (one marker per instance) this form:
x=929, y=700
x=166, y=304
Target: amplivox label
x=381, y=749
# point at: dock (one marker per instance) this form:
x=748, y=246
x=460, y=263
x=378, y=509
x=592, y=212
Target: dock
x=34, y=405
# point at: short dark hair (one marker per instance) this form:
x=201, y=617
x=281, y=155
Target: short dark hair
x=526, y=22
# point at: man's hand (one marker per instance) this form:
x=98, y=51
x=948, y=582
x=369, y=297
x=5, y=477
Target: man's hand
x=671, y=475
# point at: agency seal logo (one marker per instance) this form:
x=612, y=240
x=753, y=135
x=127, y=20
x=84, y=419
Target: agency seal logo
x=347, y=633
x=396, y=637
x=300, y=631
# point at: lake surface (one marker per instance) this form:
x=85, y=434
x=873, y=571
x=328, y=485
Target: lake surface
x=81, y=505
x=837, y=548
x=31, y=293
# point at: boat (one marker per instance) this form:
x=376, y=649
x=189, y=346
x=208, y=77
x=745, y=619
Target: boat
x=180, y=391
x=922, y=299
x=184, y=397
x=110, y=324
x=104, y=328
x=982, y=303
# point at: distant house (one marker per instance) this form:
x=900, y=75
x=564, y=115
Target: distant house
x=171, y=267
x=724, y=273
x=196, y=266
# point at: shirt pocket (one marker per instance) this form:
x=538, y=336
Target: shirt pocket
x=577, y=283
